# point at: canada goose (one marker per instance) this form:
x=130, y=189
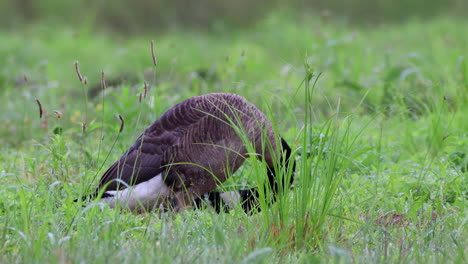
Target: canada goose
x=193, y=147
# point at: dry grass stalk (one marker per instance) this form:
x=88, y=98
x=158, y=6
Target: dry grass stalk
x=77, y=68
x=155, y=62
x=40, y=108
x=122, y=123
x=103, y=81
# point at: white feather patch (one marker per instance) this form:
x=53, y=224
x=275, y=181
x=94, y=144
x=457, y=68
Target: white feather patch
x=231, y=198
x=146, y=194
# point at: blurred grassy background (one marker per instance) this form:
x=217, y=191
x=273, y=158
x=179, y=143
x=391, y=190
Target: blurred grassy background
x=162, y=15
x=246, y=47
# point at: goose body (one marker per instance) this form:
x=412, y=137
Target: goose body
x=191, y=149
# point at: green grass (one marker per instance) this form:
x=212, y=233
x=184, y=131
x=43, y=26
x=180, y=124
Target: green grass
x=380, y=139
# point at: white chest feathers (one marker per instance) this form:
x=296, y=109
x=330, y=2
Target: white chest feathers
x=147, y=194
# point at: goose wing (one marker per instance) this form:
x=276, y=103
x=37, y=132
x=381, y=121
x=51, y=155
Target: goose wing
x=140, y=163
x=153, y=150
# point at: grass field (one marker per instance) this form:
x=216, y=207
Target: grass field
x=377, y=118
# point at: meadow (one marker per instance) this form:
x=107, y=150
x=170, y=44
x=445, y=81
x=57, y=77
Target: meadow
x=376, y=117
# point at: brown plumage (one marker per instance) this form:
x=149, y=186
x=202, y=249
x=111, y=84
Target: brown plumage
x=193, y=147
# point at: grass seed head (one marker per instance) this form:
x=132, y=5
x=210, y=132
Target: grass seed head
x=40, y=108
x=155, y=62
x=77, y=69
x=122, y=123
x=103, y=81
